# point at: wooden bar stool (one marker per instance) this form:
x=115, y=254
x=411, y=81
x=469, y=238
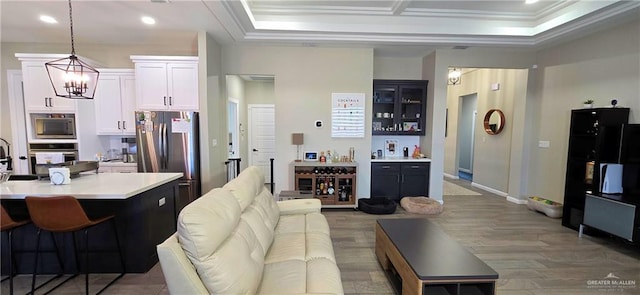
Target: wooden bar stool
x=64, y=214
x=7, y=224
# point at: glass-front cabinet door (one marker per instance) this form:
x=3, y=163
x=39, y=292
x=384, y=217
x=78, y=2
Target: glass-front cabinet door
x=384, y=109
x=399, y=107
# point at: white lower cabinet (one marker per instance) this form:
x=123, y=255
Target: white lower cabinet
x=115, y=102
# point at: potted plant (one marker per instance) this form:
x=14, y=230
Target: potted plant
x=588, y=103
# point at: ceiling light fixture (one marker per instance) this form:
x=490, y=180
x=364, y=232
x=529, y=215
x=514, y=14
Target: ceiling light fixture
x=454, y=76
x=530, y=1
x=148, y=20
x=48, y=19
x=79, y=79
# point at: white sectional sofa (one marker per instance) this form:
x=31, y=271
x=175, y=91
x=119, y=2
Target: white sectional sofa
x=238, y=240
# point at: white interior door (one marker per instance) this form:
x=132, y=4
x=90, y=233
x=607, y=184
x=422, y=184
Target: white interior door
x=262, y=137
x=18, y=126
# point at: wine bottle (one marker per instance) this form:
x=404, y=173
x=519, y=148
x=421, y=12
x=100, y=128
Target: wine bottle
x=331, y=190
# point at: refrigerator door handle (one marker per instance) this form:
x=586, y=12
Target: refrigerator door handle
x=166, y=147
x=161, y=139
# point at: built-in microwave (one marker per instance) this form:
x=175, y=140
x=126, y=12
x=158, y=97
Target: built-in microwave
x=54, y=126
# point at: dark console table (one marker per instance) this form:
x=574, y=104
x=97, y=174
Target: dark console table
x=421, y=259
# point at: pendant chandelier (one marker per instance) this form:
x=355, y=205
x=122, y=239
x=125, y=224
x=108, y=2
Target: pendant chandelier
x=454, y=76
x=71, y=77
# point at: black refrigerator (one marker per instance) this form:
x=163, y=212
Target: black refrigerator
x=169, y=142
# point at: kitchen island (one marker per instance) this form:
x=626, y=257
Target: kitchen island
x=144, y=205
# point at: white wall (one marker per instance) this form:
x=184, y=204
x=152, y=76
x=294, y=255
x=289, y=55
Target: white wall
x=304, y=81
x=601, y=66
x=398, y=68
x=235, y=88
x=213, y=105
x=260, y=92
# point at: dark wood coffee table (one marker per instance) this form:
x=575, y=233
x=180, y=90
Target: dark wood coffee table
x=421, y=259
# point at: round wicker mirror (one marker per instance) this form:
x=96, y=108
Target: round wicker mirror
x=494, y=121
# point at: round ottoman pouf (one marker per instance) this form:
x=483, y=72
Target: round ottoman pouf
x=421, y=205
x=377, y=206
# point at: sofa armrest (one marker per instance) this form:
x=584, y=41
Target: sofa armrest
x=299, y=206
x=179, y=273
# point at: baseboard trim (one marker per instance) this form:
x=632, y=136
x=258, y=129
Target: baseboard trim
x=491, y=190
x=451, y=176
x=516, y=200
x=465, y=170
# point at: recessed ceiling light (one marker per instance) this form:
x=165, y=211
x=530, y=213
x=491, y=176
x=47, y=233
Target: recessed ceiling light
x=148, y=20
x=48, y=19
x=530, y=1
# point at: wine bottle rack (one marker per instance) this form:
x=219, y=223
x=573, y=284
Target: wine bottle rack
x=334, y=184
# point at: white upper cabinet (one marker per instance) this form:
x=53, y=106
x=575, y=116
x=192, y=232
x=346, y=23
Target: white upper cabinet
x=39, y=96
x=115, y=102
x=166, y=82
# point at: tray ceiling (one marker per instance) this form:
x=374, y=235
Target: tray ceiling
x=379, y=24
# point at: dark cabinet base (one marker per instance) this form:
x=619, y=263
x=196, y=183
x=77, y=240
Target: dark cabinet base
x=395, y=180
x=143, y=221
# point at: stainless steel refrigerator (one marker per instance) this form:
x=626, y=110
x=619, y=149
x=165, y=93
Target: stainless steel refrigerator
x=169, y=142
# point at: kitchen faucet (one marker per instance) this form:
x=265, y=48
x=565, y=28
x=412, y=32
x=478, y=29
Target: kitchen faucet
x=7, y=158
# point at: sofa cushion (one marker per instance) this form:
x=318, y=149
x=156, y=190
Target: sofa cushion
x=312, y=222
x=301, y=246
x=255, y=219
x=317, y=276
x=246, y=186
x=223, y=249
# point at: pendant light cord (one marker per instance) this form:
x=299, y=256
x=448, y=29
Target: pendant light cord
x=73, y=49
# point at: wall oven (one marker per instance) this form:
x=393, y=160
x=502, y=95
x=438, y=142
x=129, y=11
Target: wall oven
x=54, y=126
x=69, y=150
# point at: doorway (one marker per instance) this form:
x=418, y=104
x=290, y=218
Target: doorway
x=262, y=137
x=466, y=135
x=233, y=128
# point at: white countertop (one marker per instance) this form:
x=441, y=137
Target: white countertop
x=89, y=186
x=400, y=160
x=324, y=164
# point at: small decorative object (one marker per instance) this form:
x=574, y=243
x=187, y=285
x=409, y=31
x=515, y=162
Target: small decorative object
x=416, y=152
x=323, y=158
x=614, y=102
x=311, y=156
x=587, y=104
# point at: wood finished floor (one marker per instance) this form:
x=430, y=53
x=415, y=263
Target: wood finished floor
x=532, y=253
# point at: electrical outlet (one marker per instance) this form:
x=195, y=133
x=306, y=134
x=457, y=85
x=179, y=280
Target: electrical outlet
x=161, y=202
x=543, y=144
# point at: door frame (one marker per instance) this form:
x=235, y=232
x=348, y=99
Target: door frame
x=473, y=131
x=250, y=108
